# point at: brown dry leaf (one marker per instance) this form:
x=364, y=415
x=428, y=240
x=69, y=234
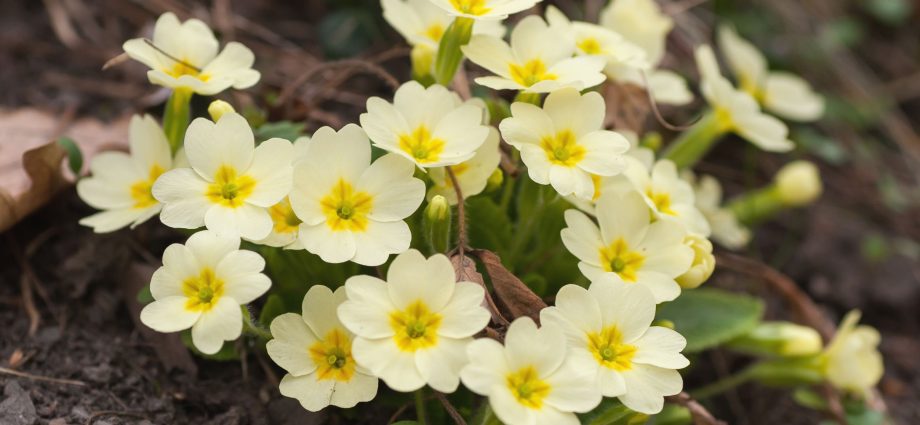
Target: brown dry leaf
x=31, y=167
x=513, y=294
x=627, y=106
x=467, y=272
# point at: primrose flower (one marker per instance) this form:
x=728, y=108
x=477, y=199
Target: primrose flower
x=531, y=380
x=285, y=223
x=643, y=24
x=726, y=229
x=665, y=192
x=184, y=55
x=231, y=182
x=737, y=111
x=704, y=263
x=852, y=361
x=430, y=127
x=539, y=59
x=413, y=329
x=201, y=286
x=472, y=175
x=564, y=143
x=121, y=182
x=628, y=245
x=781, y=93
x=609, y=334
x=595, y=40
x=315, y=349
x=484, y=10
x=351, y=209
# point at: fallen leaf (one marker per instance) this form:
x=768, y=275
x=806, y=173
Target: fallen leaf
x=31, y=163
x=517, y=298
x=627, y=106
x=465, y=269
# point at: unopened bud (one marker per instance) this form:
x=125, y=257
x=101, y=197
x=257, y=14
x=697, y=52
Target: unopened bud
x=218, y=108
x=422, y=62
x=798, y=183
x=436, y=223
x=703, y=263
x=783, y=339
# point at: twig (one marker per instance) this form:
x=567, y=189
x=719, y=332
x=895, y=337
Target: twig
x=660, y=118
x=25, y=375
x=25, y=286
x=398, y=412
x=451, y=410
x=700, y=415
x=461, y=214
x=102, y=413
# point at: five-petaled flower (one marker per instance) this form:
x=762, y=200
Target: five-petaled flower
x=201, y=286
x=482, y=10
x=121, y=183
x=610, y=335
x=315, y=349
x=413, y=329
x=231, y=182
x=184, y=55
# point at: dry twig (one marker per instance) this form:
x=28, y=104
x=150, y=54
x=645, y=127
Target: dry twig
x=700, y=415
x=25, y=375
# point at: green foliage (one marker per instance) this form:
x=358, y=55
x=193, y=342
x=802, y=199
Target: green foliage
x=612, y=412
x=489, y=226
x=144, y=296
x=348, y=31
x=287, y=130
x=74, y=156
x=274, y=307
x=891, y=12
x=708, y=317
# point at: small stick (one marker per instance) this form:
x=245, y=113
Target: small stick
x=171, y=57
x=451, y=410
x=700, y=415
x=19, y=374
x=461, y=214
x=664, y=123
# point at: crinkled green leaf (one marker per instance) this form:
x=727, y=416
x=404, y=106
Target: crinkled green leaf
x=708, y=317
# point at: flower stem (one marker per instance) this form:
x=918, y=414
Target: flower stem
x=528, y=97
x=449, y=55
x=694, y=143
x=177, y=116
x=756, y=206
x=253, y=329
x=421, y=411
x=723, y=385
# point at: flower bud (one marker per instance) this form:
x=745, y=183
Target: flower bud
x=495, y=181
x=852, y=361
x=780, y=339
x=422, y=61
x=218, y=108
x=703, y=262
x=436, y=223
x=798, y=183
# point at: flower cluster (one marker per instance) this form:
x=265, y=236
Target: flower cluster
x=637, y=222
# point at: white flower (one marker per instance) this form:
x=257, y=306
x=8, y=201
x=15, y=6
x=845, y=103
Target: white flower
x=782, y=93
x=704, y=263
x=430, y=127
x=595, y=40
x=628, y=245
x=482, y=10
x=201, y=286
x=413, y=329
x=564, y=142
x=737, y=111
x=422, y=23
x=231, y=182
x=184, y=55
x=353, y=210
x=539, y=59
x=726, y=229
x=285, y=223
x=665, y=192
x=609, y=334
x=852, y=361
x=531, y=380
x=642, y=23
x=472, y=175
x=315, y=349
x=121, y=182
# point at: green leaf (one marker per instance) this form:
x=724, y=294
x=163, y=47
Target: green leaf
x=612, y=412
x=406, y=423
x=708, y=317
x=287, y=130
x=672, y=414
x=144, y=296
x=488, y=226
x=226, y=353
x=807, y=398
x=274, y=307
x=74, y=156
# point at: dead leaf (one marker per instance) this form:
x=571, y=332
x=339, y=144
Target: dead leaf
x=467, y=272
x=518, y=299
x=31, y=167
x=627, y=106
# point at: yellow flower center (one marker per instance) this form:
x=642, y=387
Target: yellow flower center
x=332, y=357
x=434, y=32
x=471, y=7
x=724, y=118
x=618, y=258
x=346, y=209
x=530, y=73
x=661, y=200
x=184, y=67
x=562, y=149
x=420, y=145
x=458, y=170
x=590, y=46
x=416, y=327
x=141, y=191
x=202, y=291
x=527, y=387
x=229, y=189
x=609, y=350
x=283, y=217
